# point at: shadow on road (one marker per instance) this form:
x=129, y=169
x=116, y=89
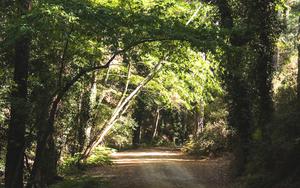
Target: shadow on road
x=164, y=168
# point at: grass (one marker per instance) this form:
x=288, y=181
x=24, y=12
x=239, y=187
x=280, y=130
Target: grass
x=82, y=182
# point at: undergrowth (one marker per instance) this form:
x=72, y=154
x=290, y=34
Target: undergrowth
x=81, y=182
x=212, y=141
x=99, y=157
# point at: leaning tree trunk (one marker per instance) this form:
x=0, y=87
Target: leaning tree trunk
x=121, y=108
x=16, y=131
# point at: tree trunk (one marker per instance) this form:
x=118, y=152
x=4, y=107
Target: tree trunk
x=84, y=117
x=183, y=134
x=14, y=165
x=240, y=115
x=155, y=127
x=298, y=76
x=264, y=64
x=94, y=102
x=44, y=169
x=19, y=114
x=136, y=140
x=199, y=120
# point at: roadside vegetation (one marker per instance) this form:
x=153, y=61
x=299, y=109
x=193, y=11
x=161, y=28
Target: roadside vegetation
x=213, y=77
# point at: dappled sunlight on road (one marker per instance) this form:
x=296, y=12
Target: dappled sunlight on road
x=145, y=160
x=149, y=156
x=145, y=154
x=163, y=168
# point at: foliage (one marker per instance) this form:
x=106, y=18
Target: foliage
x=285, y=82
x=100, y=156
x=121, y=135
x=283, y=169
x=2, y=152
x=213, y=141
x=217, y=67
x=70, y=164
x=2, y=166
x=284, y=130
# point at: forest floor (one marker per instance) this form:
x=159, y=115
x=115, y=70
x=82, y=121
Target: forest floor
x=163, y=168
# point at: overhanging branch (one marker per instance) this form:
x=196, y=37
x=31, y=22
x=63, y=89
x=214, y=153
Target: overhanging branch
x=58, y=94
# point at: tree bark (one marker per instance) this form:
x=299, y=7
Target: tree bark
x=44, y=168
x=298, y=76
x=19, y=114
x=84, y=116
x=199, y=120
x=14, y=165
x=156, y=124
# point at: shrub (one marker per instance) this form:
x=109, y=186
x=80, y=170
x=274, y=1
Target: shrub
x=214, y=140
x=164, y=142
x=69, y=164
x=99, y=157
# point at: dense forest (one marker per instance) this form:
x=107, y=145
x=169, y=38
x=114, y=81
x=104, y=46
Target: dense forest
x=208, y=76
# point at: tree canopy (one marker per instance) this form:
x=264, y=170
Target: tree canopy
x=212, y=76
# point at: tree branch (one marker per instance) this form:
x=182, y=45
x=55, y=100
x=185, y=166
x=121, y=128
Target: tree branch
x=58, y=94
x=119, y=110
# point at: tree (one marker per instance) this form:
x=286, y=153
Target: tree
x=240, y=115
x=19, y=112
x=44, y=171
x=298, y=78
x=86, y=71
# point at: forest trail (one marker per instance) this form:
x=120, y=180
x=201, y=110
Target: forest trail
x=163, y=168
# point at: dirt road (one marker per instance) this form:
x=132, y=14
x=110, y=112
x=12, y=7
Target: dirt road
x=164, y=168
